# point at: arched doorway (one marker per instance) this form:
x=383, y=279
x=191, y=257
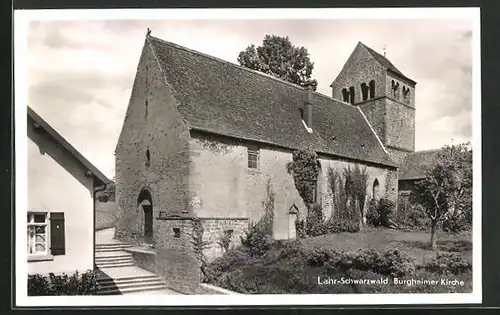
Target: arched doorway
x=376, y=190
x=145, y=207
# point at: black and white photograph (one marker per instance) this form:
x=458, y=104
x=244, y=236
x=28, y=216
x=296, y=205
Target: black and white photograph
x=247, y=157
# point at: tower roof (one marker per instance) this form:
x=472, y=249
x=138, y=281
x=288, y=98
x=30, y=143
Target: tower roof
x=384, y=62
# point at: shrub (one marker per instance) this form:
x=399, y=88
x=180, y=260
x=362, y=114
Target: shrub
x=256, y=240
x=448, y=263
x=230, y=260
x=314, y=221
x=340, y=226
x=77, y=284
x=319, y=256
x=456, y=223
x=372, y=213
x=380, y=213
x=415, y=218
x=392, y=263
x=300, y=228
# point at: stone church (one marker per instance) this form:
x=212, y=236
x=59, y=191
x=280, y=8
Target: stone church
x=204, y=138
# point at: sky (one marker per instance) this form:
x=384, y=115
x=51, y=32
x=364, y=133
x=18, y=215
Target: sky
x=80, y=74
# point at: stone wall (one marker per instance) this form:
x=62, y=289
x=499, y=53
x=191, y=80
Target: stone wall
x=223, y=186
x=152, y=128
x=214, y=228
x=392, y=187
x=176, y=260
x=105, y=215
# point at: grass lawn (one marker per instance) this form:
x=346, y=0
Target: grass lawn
x=414, y=244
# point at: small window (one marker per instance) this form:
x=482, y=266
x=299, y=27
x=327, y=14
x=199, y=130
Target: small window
x=148, y=157
x=352, y=97
x=146, y=108
x=253, y=158
x=302, y=113
x=229, y=233
x=37, y=234
x=345, y=95
x=177, y=232
x=364, y=91
x=372, y=89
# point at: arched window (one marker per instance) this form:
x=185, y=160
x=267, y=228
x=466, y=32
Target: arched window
x=351, y=94
x=345, y=95
x=364, y=91
x=376, y=190
x=372, y=88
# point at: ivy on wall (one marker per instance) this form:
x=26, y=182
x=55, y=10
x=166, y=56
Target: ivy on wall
x=304, y=168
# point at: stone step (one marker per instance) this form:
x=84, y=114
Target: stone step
x=112, y=258
x=107, y=285
x=106, y=279
x=116, y=291
x=116, y=265
x=110, y=249
x=113, y=245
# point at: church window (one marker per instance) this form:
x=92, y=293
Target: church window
x=148, y=157
x=376, y=190
x=345, y=95
x=177, y=232
x=253, y=157
x=372, y=89
x=351, y=94
x=146, y=109
x=364, y=91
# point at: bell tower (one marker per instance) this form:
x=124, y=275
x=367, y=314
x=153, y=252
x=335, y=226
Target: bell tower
x=385, y=96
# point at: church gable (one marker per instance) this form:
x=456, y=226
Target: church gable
x=362, y=78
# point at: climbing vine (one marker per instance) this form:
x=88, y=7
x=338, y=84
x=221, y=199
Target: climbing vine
x=304, y=169
x=199, y=245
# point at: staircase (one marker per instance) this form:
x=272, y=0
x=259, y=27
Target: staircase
x=130, y=284
x=112, y=256
x=117, y=273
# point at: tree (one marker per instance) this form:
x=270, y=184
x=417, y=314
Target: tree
x=446, y=192
x=278, y=57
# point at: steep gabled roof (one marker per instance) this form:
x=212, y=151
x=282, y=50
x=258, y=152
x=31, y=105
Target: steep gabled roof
x=43, y=125
x=220, y=97
x=417, y=163
x=384, y=62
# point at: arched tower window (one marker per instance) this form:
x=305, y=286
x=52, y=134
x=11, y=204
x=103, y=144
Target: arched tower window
x=376, y=190
x=364, y=91
x=345, y=95
x=372, y=88
x=351, y=94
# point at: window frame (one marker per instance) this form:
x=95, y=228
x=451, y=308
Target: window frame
x=253, y=152
x=31, y=241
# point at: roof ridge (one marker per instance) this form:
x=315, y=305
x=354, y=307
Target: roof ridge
x=231, y=63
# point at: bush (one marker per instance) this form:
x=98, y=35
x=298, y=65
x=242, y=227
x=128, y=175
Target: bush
x=319, y=256
x=448, y=263
x=300, y=228
x=77, y=284
x=314, y=221
x=415, y=218
x=392, y=263
x=340, y=226
x=456, y=224
x=232, y=259
x=380, y=213
x=256, y=240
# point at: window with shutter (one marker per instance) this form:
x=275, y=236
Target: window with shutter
x=57, y=234
x=37, y=233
